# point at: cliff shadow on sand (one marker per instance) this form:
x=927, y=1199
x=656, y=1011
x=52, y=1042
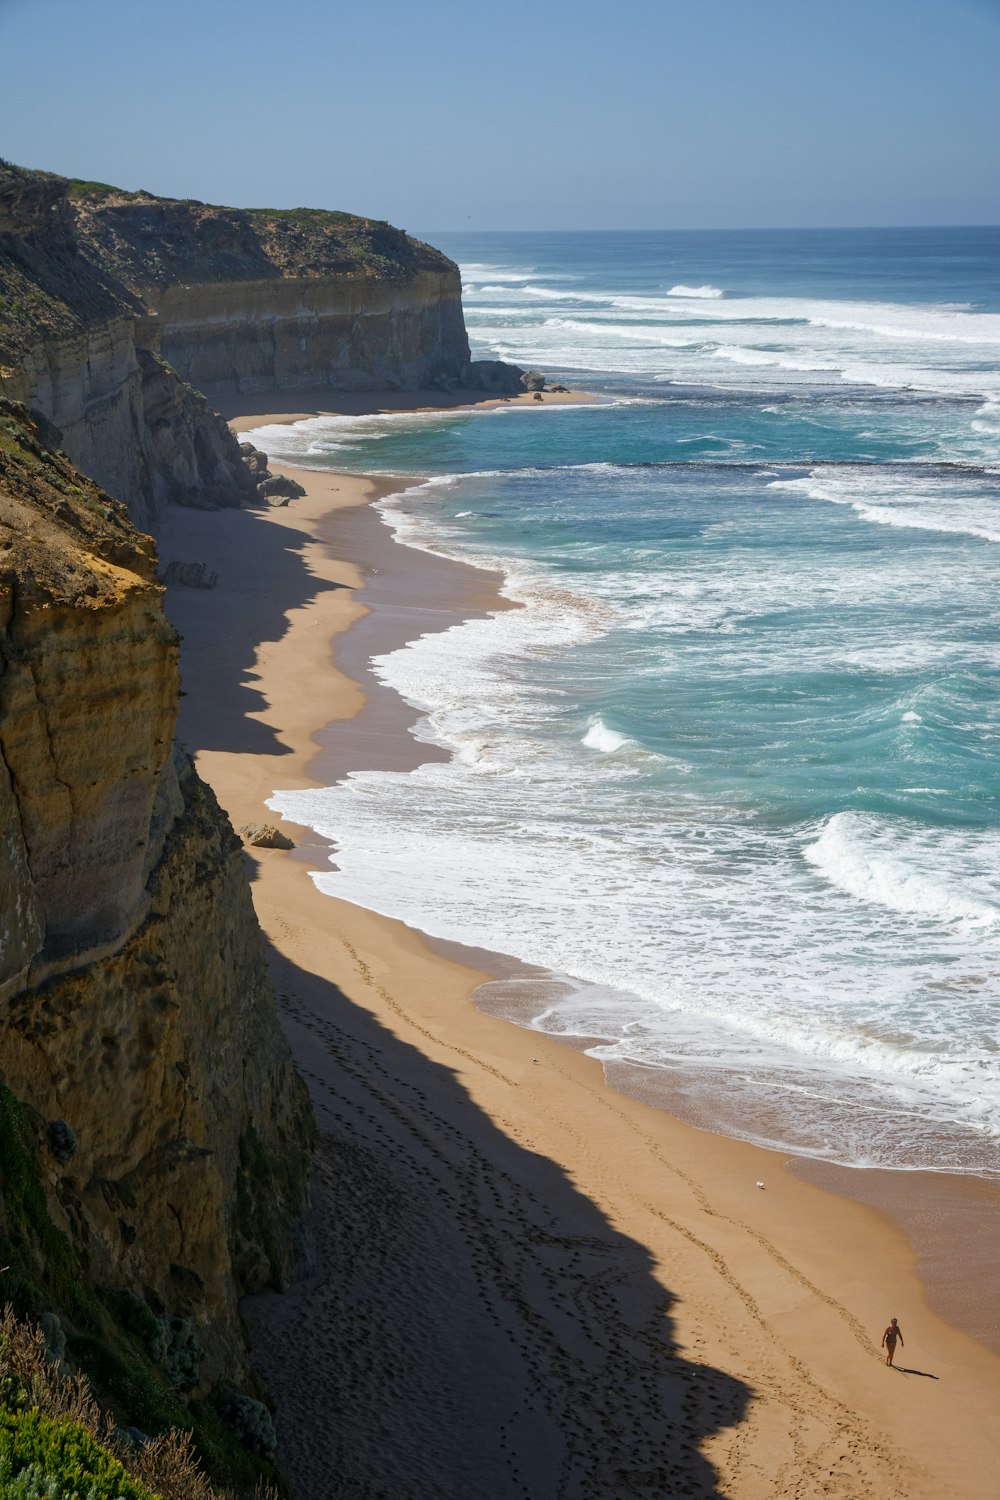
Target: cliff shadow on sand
x=221, y=717
x=476, y=1326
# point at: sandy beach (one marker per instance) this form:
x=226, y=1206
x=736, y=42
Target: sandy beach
x=525, y=1283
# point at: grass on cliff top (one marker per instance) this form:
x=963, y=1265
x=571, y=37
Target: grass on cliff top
x=310, y=241
x=79, y=188
x=316, y=216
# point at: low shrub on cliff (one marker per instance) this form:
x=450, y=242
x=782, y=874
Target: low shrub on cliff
x=62, y=1451
x=53, y=1435
x=56, y=1443
x=111, y=1337
x=41, y=1267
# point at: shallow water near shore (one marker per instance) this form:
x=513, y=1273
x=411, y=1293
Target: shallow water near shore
x=731, y=771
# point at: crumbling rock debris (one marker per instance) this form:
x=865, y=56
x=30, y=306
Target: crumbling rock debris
x=55, y=1337
x=179, y=1352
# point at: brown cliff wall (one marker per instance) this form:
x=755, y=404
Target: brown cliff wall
x=166, y=1060
x=134, y=999
x=112, y=305
x=89, y=385
x=342, y=334
x=154, y=1138
x=87, y=703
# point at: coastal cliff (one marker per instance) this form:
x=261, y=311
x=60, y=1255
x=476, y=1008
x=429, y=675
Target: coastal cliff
x=248, y=300
x=117, y=310
x=156, y=1138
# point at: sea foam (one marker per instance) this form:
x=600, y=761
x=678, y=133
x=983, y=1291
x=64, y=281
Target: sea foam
x=919, y=501
x=876, y=862
x=725, y=771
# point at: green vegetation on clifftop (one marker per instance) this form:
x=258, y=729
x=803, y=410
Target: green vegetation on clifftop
x=112, y=1338
x=57, y=1442
x=50, y=1453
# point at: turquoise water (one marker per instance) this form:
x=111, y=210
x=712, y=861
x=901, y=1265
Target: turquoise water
x=732, y=771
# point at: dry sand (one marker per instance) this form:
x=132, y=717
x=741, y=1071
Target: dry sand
x=246, y=412
x=527, y=1284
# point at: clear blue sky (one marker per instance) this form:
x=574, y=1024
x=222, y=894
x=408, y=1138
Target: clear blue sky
x=523, y=114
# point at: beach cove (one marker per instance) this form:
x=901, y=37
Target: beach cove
x=727, y=772
x=552, y=1278
x=499, y=798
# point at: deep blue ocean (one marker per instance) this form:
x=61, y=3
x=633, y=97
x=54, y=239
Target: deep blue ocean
x=732, y=772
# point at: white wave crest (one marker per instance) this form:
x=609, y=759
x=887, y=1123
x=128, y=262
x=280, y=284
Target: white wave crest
x=920, y=503
x=695, y=291
x=876, y=863
x=600, y=737
x=739, y=355
x=478, y=270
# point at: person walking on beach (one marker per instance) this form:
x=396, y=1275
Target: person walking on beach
x=892, y=1333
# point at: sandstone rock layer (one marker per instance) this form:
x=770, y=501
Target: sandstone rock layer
x=135, y=1008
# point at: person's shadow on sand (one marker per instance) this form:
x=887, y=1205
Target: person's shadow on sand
x=475, y=1326
x=926, y=1374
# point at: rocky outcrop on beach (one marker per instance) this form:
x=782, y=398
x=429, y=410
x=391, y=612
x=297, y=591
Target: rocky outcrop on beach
x=265, y=836
x=155, y=1138
x=117, y=310
x=496, y=377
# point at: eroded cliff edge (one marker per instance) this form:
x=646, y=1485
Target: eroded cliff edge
x=156, y=1139
x=119, y=310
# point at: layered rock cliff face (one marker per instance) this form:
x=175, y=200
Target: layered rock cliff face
x=137, y=1024
x=114, y=305
x=262, y=300
x=69, y=351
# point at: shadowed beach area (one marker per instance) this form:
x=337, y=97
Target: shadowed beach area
x=524, y=1283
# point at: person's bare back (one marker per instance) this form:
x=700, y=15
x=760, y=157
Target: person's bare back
x=892, y=1333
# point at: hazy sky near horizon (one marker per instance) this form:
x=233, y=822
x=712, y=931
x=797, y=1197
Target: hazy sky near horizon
x=456, y=114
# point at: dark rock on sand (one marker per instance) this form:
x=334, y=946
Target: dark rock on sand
x=279, y=484
x=493, y=376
